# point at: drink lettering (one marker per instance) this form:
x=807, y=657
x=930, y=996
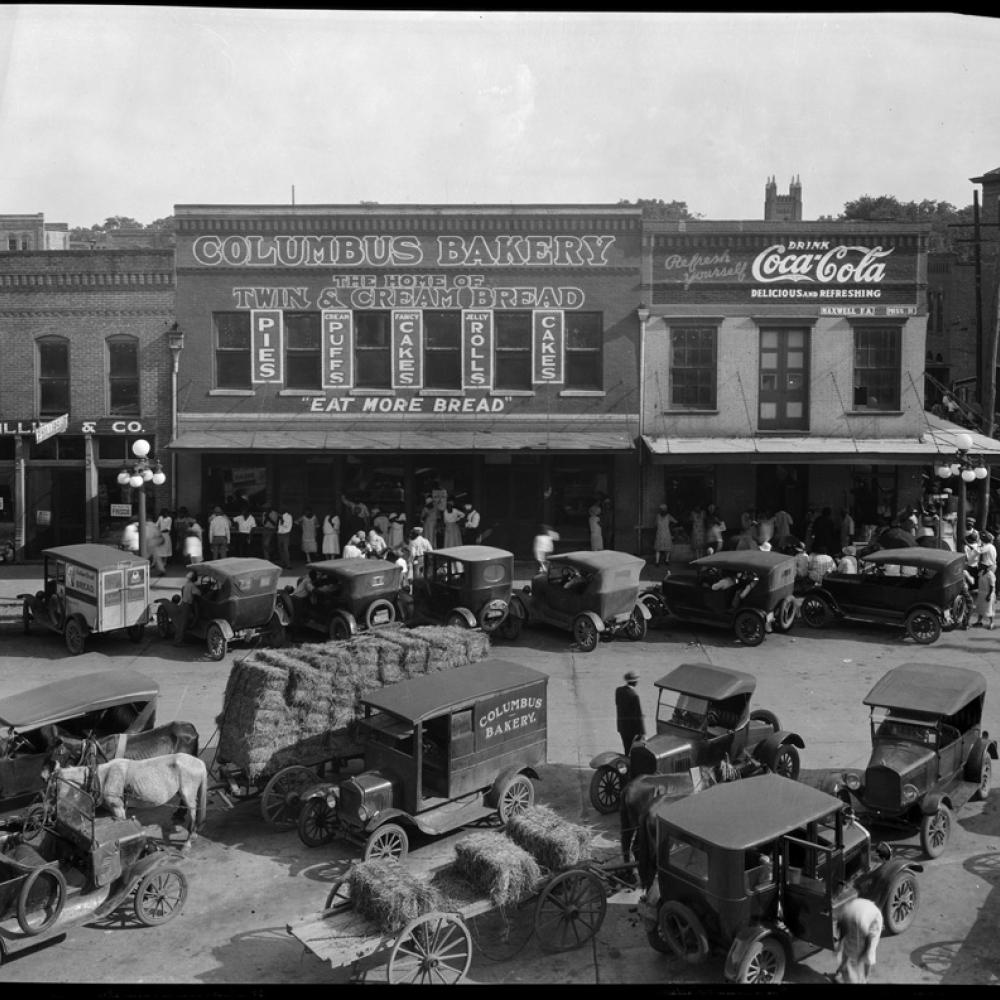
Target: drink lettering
x=839, y=265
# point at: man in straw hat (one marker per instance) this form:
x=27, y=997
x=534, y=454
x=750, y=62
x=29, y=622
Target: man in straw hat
x=629, y=711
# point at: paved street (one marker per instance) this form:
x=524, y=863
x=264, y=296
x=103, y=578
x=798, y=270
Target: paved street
x=247, y=881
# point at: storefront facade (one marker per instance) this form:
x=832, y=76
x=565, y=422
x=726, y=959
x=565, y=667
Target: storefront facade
x=387, y=354
x=783, y=368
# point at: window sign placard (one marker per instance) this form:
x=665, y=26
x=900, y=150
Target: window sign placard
x=407, y=343
x=266, y=347
x=547, y=343
x=121, y=510
x=477, y=349
x=338, y=348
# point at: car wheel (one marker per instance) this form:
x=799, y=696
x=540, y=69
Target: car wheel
x=160, y=896
x=387, y=843
x=763, y=962
x=606, y=789
x=635, y=628
x=216, y=642
x=815, y=611
x=935, y=830
x=784, y=614
x=923, y=626
x=380, y=612
x=75, y=636
x=901, y=902
x=510, y=627
x=683, y=931
x=749, y=627
x=455, y=620
x=585, y=633
x=164, y=623
x=516, y=795
x=317, y=823
x=763, y=715
x=339, y=629
x=786, y=762
x=982, y=776
x=40, y=901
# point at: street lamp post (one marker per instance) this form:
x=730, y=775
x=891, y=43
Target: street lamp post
x=966, y=470
x=145, y=469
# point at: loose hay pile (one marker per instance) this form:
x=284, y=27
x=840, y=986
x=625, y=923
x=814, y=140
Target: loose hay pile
x=389, y=894
x=493, y=864
x=280, y=703
x=552, y=841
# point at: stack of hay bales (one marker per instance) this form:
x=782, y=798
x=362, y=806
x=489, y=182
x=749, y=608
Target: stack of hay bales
x=497, y=867
x=282, y=705
x=390, y=895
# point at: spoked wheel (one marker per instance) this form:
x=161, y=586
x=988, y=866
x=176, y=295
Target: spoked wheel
x=764, y=962
x=164, y=623
x=636, y=627
x=585, y=633
x=387, y=843
x=606, y=789
x=784, y=615
x=935, y=830
x=281, y=799
x=160, y=896
x=815, y=611
x=516, y=796
x=786, y=762
x=749, y=627
x=510, y=627
x=41, y=900
x=432, y=950
x=682, y=930
x=216, y=642
x=901, y=903
x=984, y=778
x=923, y=626
x=75, y=636
x=317, y=823
x=570, y=910
x=339, y=629
x=340, y=897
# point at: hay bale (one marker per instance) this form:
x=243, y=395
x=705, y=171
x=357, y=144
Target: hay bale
x=552, y=841
x=493, y=864
x=389, y=894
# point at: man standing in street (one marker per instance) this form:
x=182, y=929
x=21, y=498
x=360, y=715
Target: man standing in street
x=185, y=609
x=470, y=525
x=629, y=711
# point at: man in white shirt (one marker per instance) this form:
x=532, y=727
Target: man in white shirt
x=470, y=526
x=284, y=537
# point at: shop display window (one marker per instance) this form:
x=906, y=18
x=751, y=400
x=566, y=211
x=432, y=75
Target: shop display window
x=876, y=367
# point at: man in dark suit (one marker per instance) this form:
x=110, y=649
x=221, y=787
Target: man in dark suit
x=629, y=711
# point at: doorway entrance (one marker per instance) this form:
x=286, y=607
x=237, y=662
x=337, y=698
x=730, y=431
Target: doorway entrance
x=784, y=379
x=784, y=487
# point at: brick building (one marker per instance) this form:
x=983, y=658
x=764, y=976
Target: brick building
x=31, y=232
x=83, y=334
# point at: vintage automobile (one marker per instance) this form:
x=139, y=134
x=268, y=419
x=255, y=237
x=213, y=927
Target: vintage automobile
x=441, y=751
x=349, y=595
x=747, y=591
x=99, y=704
x=703, y=718
x=90, y=589
x=929, y=753
x=594, y=595
x=753, y=867
x=467, y=586
x=78, y=867
x=238, y=603
x=923, y=590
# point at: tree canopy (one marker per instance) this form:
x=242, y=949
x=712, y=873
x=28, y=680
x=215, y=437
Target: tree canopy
x=939, y=215
x=95, y=233
x=664, y=211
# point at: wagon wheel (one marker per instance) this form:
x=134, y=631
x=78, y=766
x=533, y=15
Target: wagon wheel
x=160, y=896
x=380, y=612
x=606, y=789
x=340, y=896
x=784, y=614
x=164, y=623
x=435, y=949
x=749, y=627
x=816, y=611
x=317, y=823
x=388, y=843
x=135, y=632
x=339, y=629
x=75, y=636
x=216, y=642
x=935, y=830
x=901, y=902
x=682, y=930
x=585, y=633
x=763, y=962
x=923, y=626
x=515, y=797
x=570, y=910
x=281, y=799
x=41, y=900
x=636, y=626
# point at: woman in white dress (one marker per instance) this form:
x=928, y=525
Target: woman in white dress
x=397, y=527
x=331, y=536
x=452, y=526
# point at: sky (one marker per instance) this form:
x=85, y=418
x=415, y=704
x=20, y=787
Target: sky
x=130, y=110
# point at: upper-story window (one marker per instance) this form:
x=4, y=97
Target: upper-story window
x=372, y=346
x=877, y=371
x=693, y=367
x=53, y=376
x=442, y=349
x=512, y=332
x=123, y=376
x=232, y=350
x=584, y=350
x=302, y=350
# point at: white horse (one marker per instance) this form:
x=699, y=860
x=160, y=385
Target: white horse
x=151, y=782
x=859, y=928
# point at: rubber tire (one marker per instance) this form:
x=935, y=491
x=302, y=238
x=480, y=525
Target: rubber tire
x=682, y=930
x=216, y=642
x=935, y=832
x=789, y=754
x=767, y=952
x=606, y=786
x=388, y=842
x=380, y=605
x=585, y=634
x=815, y=611
x=923, y=626
x=164, y=623
x=517, y=794
x=317, y=823
x=74, y=636
x=985, y=778
x=510, y=627
x=903, y=895
x=156, y=879
x=636, y=627
x=786, y=609
x=135, y=632
x=339, y=630
x=763, y=715
x=57, y=900
x=455, y=620
x=749, y=627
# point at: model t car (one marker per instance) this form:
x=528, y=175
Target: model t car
x=237, y=602
x=90, y=589
x=749, y=592
x=467, y=586
x=703, y=719
x=929, y=753
x=79, y=866
x=752, y=867
x=344, y=597
x=594, y=595
x=91, y=705
x=441, y=751
x=923, y=590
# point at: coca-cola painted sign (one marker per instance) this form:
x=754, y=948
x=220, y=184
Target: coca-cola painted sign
x=842, y=265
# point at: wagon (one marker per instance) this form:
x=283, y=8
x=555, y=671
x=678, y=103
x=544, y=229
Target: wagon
x=90, y=589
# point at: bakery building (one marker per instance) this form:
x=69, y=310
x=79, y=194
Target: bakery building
x=392, y=353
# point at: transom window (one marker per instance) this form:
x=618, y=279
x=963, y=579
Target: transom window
x=876, y=367
x=53, y=376
x=585, y=350
x=513, y=350
x=372, y=349
x=442, y=349
x=232, y=350
x=693, y=367
x=123, y=376
x=302, y=350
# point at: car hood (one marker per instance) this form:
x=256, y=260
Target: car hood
x=900, y=757
x=661, y=754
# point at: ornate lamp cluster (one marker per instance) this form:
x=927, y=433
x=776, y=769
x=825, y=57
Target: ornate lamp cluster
x=968, y=468
x=145, y=469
